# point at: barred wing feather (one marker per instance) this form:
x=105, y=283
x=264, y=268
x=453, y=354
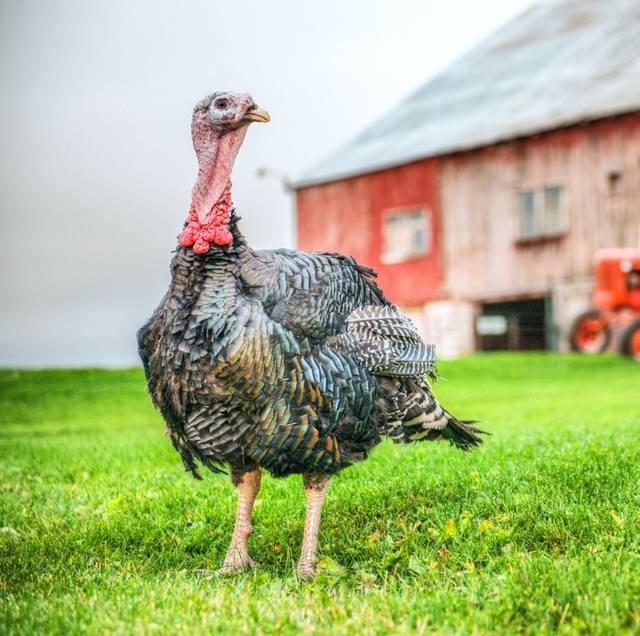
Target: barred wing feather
x=386, y=342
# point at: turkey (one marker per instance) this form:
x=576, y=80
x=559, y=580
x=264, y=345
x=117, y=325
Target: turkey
x=280, y=360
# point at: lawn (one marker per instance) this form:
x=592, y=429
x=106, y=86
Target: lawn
x=102, y=531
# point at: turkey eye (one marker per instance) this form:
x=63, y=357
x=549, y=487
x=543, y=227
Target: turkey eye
x=221, y=104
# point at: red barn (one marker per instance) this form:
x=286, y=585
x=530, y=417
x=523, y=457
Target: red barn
x=481, y=199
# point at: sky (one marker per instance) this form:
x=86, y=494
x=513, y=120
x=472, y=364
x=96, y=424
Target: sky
x=96, y=158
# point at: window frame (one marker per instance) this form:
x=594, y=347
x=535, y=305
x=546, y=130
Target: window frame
x=392, y=258
x=543, y=228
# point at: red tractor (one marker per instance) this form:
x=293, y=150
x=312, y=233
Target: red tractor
x=616, y=313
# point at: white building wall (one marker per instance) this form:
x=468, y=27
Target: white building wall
x=447, y=324
x=569, y=297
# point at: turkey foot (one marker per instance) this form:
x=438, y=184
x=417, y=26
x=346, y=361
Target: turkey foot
x=247, y=485
x=315, y=490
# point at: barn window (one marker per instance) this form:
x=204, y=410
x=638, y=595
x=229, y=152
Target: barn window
x=616, y=185
x=406, y=234
x=552, y=210
x=527, y=214
x=541, y=213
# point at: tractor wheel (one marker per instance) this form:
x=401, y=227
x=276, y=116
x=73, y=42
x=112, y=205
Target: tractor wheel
x=631, y=340
x=590, y=332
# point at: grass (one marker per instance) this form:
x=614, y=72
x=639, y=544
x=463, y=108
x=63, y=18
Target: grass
x=101, y=531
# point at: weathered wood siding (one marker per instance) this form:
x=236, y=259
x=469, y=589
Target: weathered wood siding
x=473, y=197
x=479, y=190
x=347, y=216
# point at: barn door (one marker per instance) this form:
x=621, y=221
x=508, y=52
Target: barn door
x=518, y=325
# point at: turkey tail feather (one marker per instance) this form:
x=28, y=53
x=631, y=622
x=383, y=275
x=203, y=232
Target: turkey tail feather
x=389, y=345
x=412, y=413
x=462, y=434
x=459, y=433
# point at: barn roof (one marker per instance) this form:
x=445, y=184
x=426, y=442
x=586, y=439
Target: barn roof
x=558, y=63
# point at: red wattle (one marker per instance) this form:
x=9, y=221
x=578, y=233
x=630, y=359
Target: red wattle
x=216, y=230
x=186, y=237
x=201, y=246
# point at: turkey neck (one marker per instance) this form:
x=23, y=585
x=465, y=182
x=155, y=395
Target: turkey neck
x=210, y=211
x=216, y=154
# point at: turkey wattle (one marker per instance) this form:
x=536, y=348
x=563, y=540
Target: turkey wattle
x=289, y=361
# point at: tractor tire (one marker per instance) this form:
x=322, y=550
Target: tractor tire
x=590, y=332
x=631, y=340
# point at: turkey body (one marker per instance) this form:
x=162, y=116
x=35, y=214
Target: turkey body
x=235, y=361
x=243, y=358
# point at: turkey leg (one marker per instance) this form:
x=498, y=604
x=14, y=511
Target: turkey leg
x=315, y=490
x=247, y=486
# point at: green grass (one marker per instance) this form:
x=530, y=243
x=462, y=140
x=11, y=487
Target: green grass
x=539, y=531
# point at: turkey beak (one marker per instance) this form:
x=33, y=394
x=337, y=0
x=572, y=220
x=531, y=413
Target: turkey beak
x=256, y=114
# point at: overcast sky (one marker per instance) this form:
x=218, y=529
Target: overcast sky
x=97, y=162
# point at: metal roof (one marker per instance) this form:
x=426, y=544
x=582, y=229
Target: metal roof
x=558, y=63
